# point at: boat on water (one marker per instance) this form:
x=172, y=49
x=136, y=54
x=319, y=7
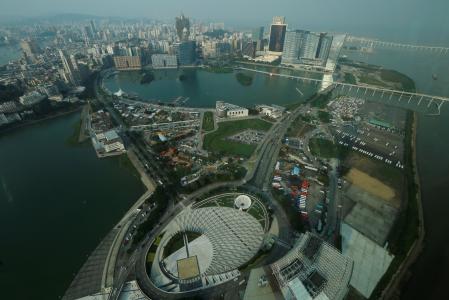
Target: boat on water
x=434, y=76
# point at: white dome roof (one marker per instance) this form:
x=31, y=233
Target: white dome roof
x=242, y=202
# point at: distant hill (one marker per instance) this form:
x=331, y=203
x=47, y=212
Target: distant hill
x=57, y=19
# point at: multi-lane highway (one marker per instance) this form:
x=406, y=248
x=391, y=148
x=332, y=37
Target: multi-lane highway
x=269, y=149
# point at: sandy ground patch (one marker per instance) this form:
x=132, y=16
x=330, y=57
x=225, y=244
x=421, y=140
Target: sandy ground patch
x=371, y=184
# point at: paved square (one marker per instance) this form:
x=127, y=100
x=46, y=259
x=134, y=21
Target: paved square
x=188, y=268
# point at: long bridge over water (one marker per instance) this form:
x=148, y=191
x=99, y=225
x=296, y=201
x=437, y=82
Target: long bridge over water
x=372, y=43
x=429, y=104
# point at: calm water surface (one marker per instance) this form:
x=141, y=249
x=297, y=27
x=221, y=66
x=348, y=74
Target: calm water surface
x=204, y=88
x=56, y=203
x=9, y=53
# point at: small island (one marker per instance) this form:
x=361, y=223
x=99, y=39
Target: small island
x=244, y=79
x=147, y=78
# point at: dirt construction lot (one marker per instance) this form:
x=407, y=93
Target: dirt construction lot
x=372, y=185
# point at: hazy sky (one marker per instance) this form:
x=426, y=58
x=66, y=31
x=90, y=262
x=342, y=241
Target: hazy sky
x=337, y=15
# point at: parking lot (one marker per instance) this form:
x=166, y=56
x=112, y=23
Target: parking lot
x=375, y=142
x=250, y=137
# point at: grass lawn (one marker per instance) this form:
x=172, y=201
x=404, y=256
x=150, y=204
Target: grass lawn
x=349, y=78
x=293, y=106
x=158, y=240
x=174, y=244
x=150, y=257
x=227, y=201
x=208, y=204
x=320, y=100
x=323, y=148
x=192, y=236
x=298, y=127
x=367, y=79
x=256, y=212
x=306, y=118
x=208, y=121
x=324, y=116
x=216, y=141
x=394, y=76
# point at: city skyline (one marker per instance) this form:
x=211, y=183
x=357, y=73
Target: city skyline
x=324, y=12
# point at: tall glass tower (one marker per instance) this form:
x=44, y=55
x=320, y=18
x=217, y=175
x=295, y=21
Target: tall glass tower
x=277, y=35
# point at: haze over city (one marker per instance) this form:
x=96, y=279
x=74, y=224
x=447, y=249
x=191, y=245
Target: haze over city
x=224, y=149
x=412, y=16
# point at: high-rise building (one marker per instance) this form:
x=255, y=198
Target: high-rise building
x=278, y=20
x=30, y=50
x=127, y=62
x=310, y=48
x=277, y=35
x=70, y=71
x=88, y=32
x=294, y=42
x=249, y=49
x=93, y=27
x=160, y=61
x=257, y=36
x=185, y=52
x=304, y=47
x=222, y=48
x=183, y=27
x=324, y=47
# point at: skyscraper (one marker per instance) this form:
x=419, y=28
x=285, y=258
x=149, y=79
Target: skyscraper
x=249, y=49
x=183, y=27
x=310, y=48
x=93, y=27
x=304, y=47
x=257, y=36
x=324, y=47
x=30, y=50
x=88, y=32
x=294, y=42
x=185, y=52
x=277, y=35
x=70, y=71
